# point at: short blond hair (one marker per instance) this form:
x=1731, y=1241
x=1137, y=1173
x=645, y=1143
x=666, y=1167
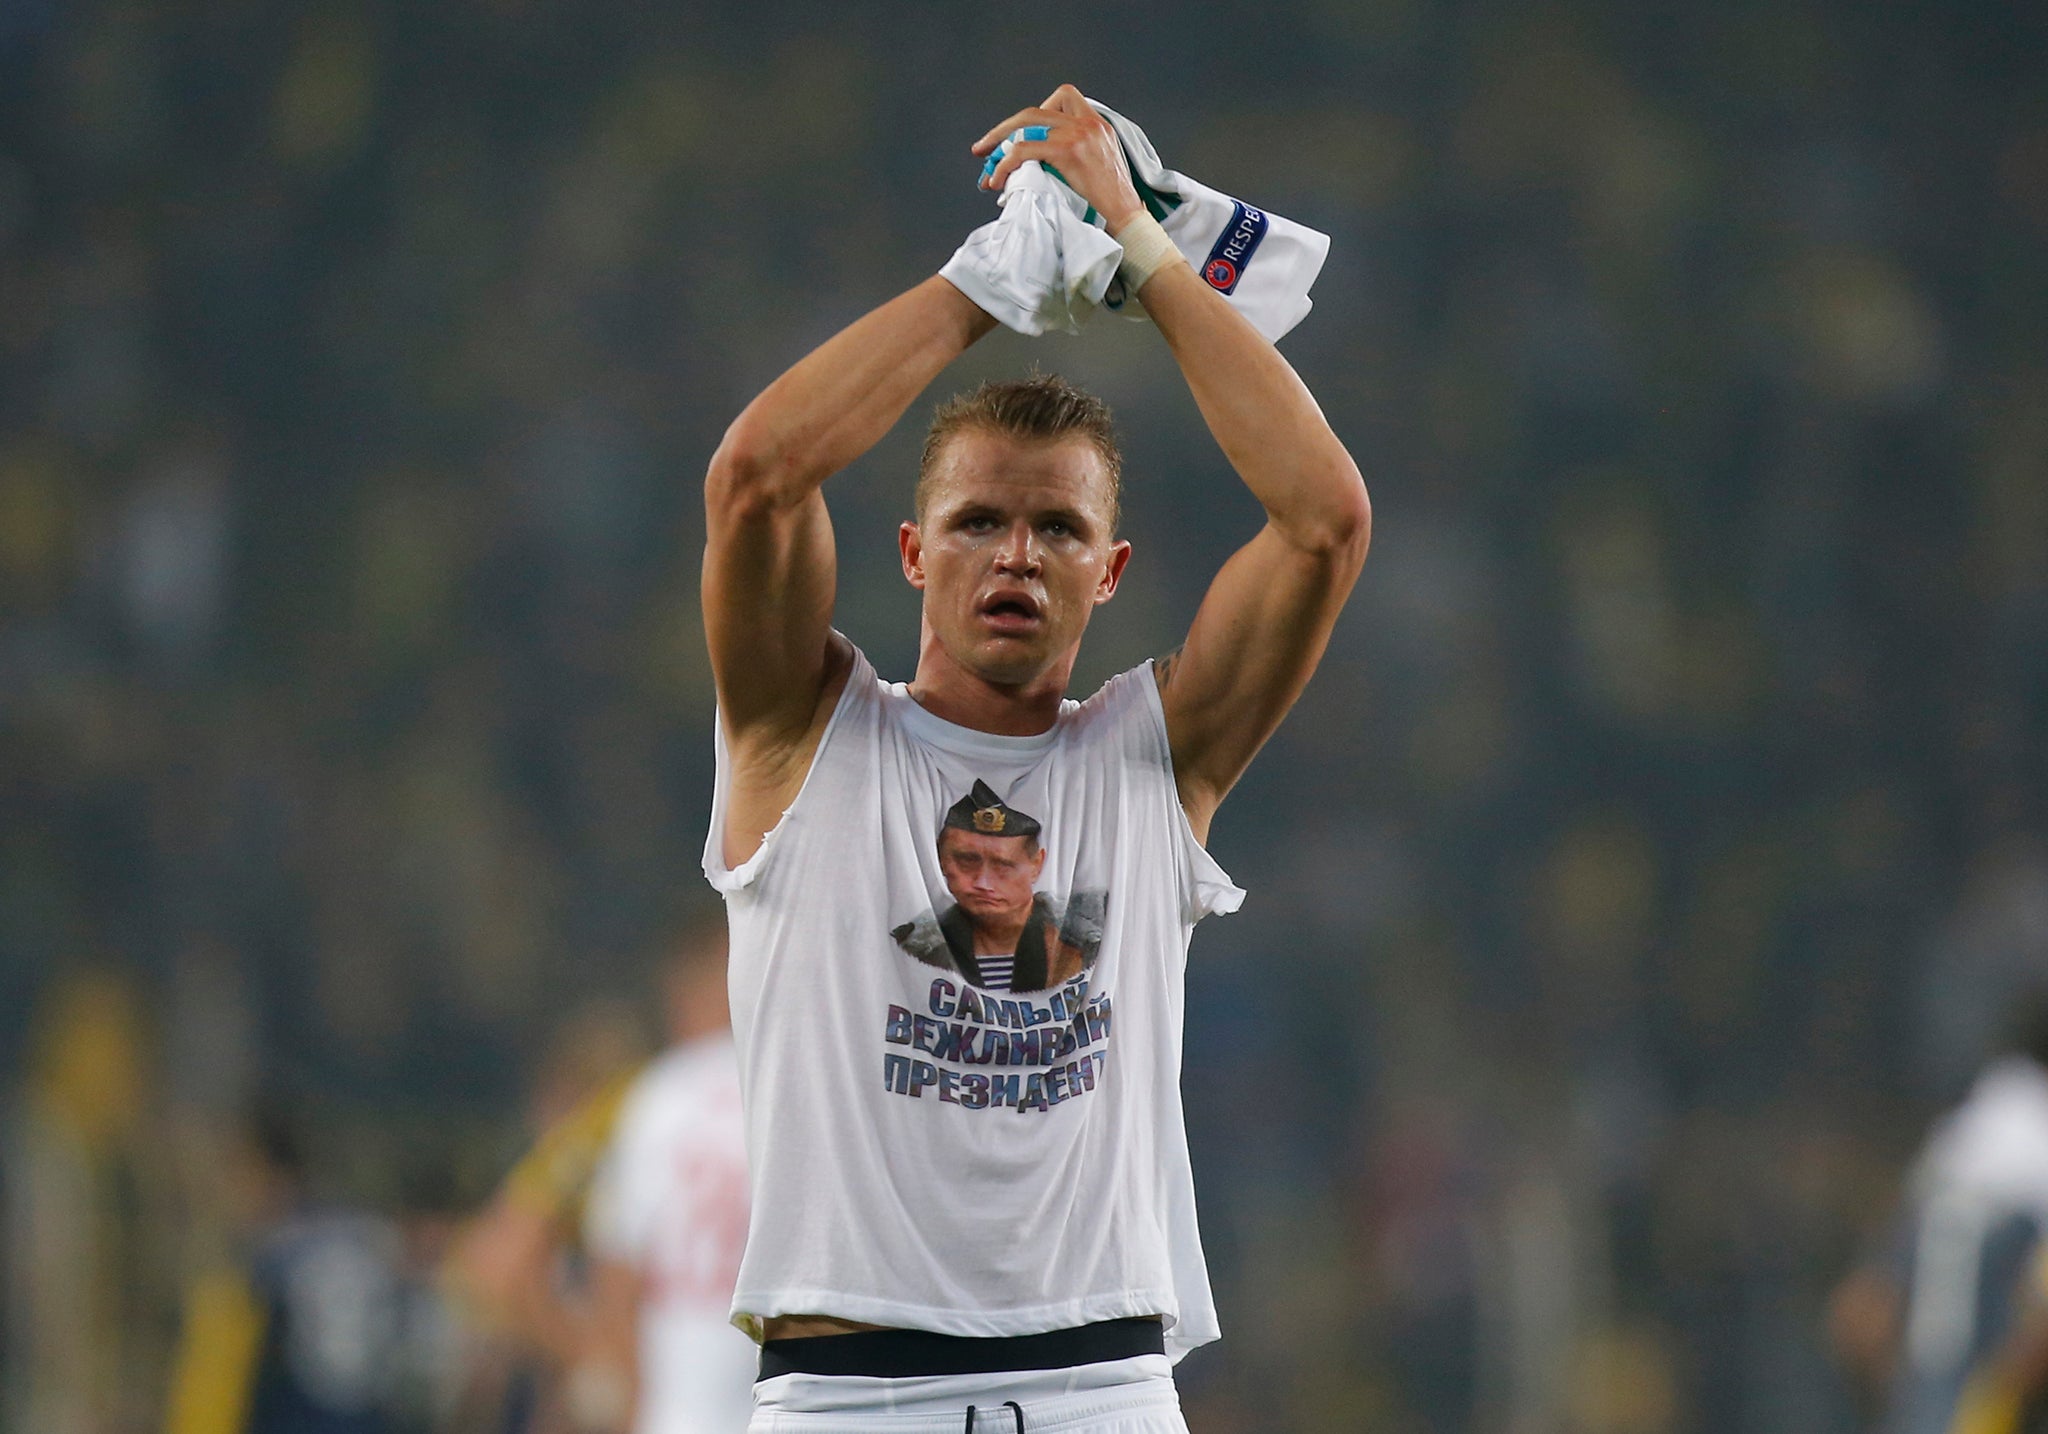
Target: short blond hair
x=1042, y=408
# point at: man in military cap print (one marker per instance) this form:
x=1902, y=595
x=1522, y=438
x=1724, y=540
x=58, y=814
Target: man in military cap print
x=1001, y=933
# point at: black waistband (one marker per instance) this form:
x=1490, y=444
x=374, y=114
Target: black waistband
x=902, y=1353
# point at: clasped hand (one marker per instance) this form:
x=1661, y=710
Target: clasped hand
x=1080, y=144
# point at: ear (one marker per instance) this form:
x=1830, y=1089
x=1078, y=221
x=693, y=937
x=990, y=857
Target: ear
x=1113, y=571
x=910, y=545
x=1038, y=864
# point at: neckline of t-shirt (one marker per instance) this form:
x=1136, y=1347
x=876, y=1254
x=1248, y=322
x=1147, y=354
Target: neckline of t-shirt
x=969, y=741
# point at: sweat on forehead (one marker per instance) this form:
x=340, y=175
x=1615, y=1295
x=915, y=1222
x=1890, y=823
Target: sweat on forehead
x=1042, y=408
x=974, y=467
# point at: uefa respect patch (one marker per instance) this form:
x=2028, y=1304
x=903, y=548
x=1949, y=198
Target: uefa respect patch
x=1234, y=247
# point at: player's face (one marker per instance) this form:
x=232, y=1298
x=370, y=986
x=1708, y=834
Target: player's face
x=1014, y=551
x=990, y=876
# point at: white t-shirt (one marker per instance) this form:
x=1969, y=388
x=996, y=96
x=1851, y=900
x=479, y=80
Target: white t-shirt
x=932, y=1155
x=671, y=1200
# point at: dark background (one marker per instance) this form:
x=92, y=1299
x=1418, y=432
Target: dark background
x=1654, y=853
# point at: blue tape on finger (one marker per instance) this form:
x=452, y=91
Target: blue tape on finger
x=1027, y=134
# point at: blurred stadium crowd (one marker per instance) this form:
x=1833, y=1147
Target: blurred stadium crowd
x=1653, y=856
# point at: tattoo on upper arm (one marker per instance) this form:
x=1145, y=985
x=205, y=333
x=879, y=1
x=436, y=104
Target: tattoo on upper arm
x=1162, y=667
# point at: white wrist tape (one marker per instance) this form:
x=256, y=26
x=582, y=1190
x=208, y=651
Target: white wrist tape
x=1147, y=250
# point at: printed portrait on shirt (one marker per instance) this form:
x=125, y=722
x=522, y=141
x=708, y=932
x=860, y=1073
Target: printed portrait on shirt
x=997, y=928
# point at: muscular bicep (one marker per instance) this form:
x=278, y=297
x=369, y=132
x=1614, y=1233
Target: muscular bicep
x=1256, y=639
x=769, y=575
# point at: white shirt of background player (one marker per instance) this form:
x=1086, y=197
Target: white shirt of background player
x=667, y=1221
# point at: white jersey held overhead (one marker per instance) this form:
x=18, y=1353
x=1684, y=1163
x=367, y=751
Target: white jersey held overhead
x=1046, y=263
x=960, y=906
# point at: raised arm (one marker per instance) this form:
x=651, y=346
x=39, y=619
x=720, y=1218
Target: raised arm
x=769, y=567
x=1263, y=625
x=1266, y=618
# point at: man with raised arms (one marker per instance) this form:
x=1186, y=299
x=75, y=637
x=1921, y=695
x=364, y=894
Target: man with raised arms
x=1027, y=1259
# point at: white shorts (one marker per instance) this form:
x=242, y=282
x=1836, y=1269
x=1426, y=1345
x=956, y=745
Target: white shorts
x=1118, y=1396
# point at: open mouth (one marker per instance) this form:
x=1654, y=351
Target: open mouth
x=1011, y=610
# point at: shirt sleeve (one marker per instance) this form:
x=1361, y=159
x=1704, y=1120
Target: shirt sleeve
x=553, y=1177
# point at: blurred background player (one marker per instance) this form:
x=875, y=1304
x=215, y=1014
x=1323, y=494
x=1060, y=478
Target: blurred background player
x=668, y=1222
x=519, y=1266
x=307, y=1329
x=1936, y=1314
x=83, y=1188
x=607, y=1258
